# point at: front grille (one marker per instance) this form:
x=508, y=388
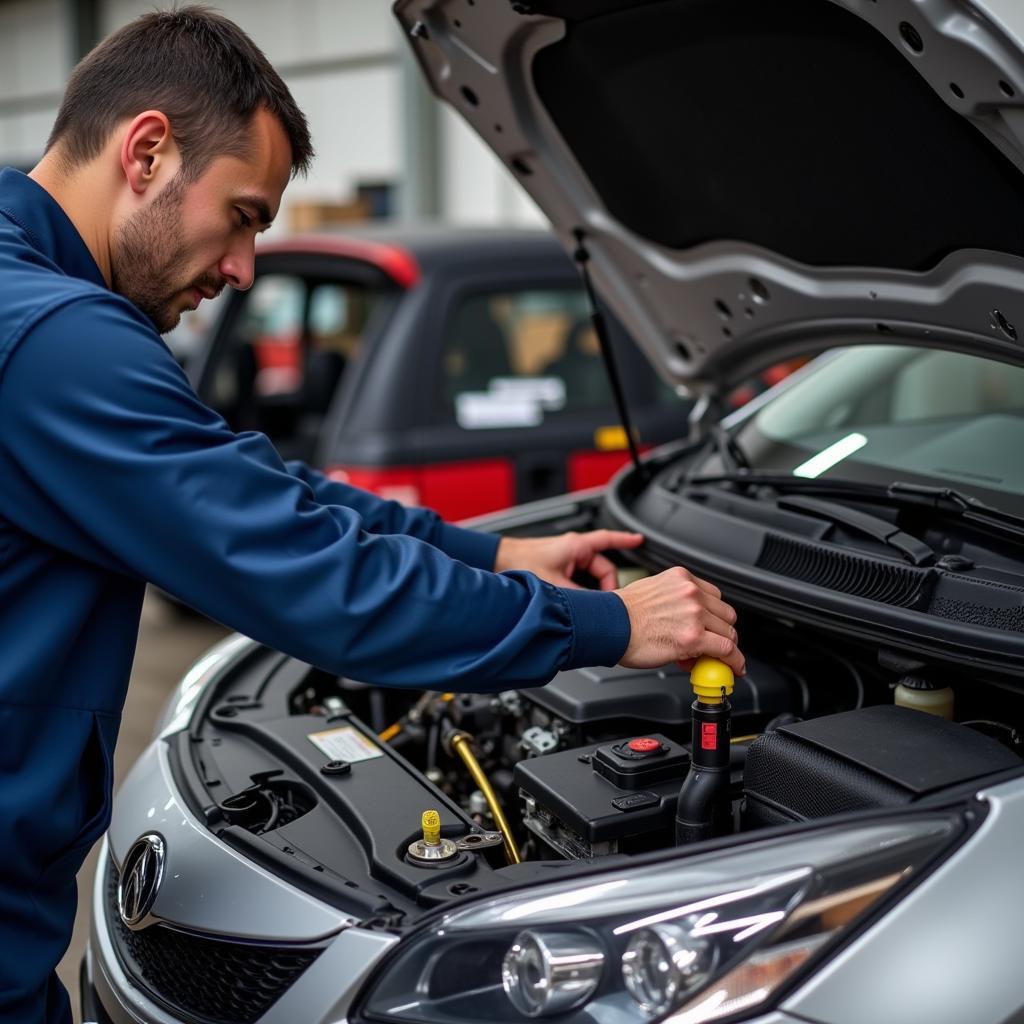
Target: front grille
x=205, y=980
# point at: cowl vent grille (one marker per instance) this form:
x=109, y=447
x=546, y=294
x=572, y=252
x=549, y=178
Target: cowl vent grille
x=901, y=586
x=1010, y=619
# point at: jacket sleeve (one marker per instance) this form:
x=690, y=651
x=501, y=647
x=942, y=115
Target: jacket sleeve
x=381, y=516
x=118, y=462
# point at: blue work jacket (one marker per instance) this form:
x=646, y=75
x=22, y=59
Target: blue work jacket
x=112, y=474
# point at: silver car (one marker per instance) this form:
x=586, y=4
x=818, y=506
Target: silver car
x=834, y=837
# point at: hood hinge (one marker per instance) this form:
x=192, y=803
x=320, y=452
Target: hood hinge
x=706, y=412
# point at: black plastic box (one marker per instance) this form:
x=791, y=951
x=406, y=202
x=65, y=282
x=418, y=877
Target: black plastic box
x=573, y=790
x=881, y=756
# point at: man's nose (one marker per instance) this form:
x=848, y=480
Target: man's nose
x=237, y=266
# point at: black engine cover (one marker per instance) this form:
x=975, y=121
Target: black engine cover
x=881, y=756
x=590, y=696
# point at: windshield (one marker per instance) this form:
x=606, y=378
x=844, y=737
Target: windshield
x=892, y=412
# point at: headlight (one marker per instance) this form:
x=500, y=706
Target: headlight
x=547, y=973
x=663, y=962
x=691, y=939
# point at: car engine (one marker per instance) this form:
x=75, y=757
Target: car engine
x=288, y=764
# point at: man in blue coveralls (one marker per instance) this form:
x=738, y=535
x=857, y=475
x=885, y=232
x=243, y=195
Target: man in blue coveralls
x=170, y=153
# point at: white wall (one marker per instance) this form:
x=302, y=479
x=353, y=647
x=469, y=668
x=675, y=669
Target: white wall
x=34, y=60
x=303, y=30
x=354, y=118
x=476, y=186
x=342, y=60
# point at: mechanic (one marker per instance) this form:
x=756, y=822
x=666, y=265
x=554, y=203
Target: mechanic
x=170, y=152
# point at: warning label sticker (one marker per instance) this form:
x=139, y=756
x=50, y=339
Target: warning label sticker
x=345, y=744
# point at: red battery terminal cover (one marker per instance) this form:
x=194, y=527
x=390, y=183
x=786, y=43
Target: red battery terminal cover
x=644, y=745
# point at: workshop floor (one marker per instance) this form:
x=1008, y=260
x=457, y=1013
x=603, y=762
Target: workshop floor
x=169, y=641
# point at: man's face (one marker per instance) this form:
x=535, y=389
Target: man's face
x=193, y=238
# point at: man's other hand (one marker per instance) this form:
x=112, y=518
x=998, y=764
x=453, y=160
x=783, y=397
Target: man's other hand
x=556, y=559
x=675, y=616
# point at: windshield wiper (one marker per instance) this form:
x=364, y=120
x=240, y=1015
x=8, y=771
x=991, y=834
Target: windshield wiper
x=966, y=506
x=914, y=550
x=947, y=500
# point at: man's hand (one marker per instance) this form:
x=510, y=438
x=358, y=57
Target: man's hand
x=675, y=616
x=555, y=559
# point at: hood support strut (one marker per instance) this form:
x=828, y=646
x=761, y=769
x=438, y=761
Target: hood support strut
x=582, y=258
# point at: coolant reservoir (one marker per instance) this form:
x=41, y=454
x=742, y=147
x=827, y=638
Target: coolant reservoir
x=922, y=695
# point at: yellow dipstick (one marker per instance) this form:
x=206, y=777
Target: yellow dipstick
x=431, y=822
x=711, y=680
x=460, y=743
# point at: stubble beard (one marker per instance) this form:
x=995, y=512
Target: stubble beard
x=148, y=255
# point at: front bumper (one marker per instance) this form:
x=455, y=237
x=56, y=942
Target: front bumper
x=319, y=994
x=232, y=942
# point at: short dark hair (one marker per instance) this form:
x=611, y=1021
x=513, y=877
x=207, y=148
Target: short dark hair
x=194, y=65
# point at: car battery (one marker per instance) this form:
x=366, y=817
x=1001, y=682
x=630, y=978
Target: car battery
x=616, y=798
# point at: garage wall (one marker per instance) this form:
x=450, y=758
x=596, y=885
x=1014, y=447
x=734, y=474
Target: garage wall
x=476, y=186
x=344, y=62
x=34, y=49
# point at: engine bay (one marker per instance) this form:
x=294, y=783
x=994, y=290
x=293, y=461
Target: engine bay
x=385, y=801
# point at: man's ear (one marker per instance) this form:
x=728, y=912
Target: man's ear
x=148, y=151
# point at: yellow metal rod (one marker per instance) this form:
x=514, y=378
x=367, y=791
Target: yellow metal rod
x=395, y=728
x=460, y=743
x=390, y=732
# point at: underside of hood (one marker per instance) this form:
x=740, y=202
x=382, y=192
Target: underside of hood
x=755, y=180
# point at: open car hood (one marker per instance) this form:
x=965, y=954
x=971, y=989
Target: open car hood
x=758, y=180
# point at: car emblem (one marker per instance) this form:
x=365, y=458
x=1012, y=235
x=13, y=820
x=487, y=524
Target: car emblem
x=141, y=875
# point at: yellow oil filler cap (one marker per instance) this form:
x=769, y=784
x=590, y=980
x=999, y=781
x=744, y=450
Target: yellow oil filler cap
x=431, y=822
x=711, y=680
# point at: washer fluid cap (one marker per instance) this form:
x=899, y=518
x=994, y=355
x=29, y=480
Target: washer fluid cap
x=711, y=680
x=918, y=683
